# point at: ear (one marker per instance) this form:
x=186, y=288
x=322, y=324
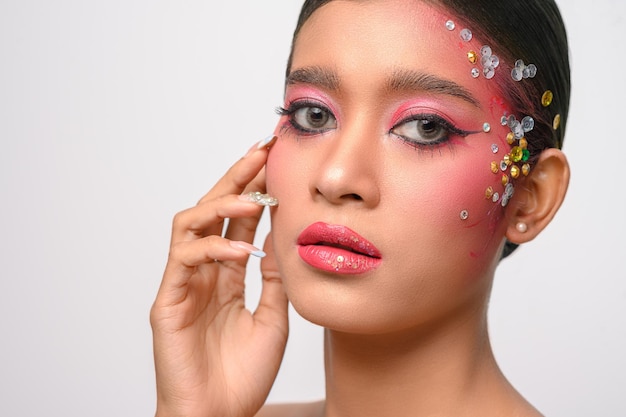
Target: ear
x=538, y=197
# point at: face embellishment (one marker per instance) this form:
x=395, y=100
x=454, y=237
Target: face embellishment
x=472, y=57
x=450, y=25
x=475, y=73
x=557, y=122
x=464, y=215
x=466, y=35
x=547, y=98
x=489, y=62
x=523, y=71
x=494, y=148
x=486, y=128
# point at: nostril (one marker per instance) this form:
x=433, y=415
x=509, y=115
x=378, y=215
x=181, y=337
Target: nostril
x=355, y=197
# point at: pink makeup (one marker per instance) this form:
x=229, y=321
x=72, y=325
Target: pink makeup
x=337, y=249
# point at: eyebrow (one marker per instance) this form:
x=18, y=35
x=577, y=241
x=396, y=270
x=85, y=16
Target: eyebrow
x=400, y=80
x=403, y=80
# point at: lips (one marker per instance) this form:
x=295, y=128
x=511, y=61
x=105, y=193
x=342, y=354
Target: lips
x=337, y=249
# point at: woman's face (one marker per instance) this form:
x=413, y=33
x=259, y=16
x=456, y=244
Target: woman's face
x=381, y=156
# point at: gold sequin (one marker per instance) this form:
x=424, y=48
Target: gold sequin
x=505, y=180
x=489, y=193
x=472, y=57
x=507, y=159
x=547, y=98
x=494, y=167
x=526, y=169
x=517, y=154
x=523, y=143
x=557, y=122
x=514, y=171
x=510, y=138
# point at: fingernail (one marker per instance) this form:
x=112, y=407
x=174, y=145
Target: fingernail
x=265, y=143
x=252, y=250
x=259, y=198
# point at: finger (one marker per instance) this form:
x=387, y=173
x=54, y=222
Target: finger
x=242, y=172
x=208, y=218
x=185, y=257
x=244, y=228
x=272, y=308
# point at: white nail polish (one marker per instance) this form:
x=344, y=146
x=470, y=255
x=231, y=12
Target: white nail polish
x=266, y=142
x=251, y=250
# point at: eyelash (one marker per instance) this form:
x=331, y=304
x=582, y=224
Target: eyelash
x=295, y=106
x=448, y=127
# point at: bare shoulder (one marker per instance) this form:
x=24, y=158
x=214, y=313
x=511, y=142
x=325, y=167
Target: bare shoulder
x=314, y=409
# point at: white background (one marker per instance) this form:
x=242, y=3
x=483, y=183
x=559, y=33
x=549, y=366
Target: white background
x=116, y=114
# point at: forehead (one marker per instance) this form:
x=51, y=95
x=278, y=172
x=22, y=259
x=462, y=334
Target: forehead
x=376, y=37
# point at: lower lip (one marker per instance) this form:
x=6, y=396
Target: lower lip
x=337, y=260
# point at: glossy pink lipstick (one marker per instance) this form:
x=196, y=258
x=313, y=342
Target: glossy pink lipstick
x=337, y=249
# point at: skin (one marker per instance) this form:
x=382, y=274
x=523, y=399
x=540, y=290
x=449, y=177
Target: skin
x=407, y=338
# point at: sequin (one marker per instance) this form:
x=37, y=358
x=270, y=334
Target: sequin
x=547, y=98
x=489, y=72
x=510, y=138
x=495, y=197
x=475, y=73
x=505, y=179
x=526, y=169
x=557, y=122
x=528, y=124
x=494, y=167
x=464, y=215
x=466, y=35
x=503, y=121
x=519, y=64
x=507, y=159
x=523, y=143
x=489, y=193
x=532, y=70
x=494, y=148
x=450, y=25
x=516, y=154
x=525, y=155
x=495, y=61
x=486, y=128
x=485, y=50
x=516, y=74
x=472, y=57
x=515, y=171
x=503, y=165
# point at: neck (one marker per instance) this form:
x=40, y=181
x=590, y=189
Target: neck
x=419, y=372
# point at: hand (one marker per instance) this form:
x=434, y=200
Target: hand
x=213, y=357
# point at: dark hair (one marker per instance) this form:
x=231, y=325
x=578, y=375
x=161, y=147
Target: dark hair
x=532, y=31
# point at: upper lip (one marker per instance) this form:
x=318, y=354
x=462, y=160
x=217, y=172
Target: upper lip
x=323, y=234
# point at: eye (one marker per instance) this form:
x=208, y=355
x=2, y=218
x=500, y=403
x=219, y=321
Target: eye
x=308, y=117
x=426, y=129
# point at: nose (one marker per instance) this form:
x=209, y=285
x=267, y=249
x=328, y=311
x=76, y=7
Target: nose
x=350, y=169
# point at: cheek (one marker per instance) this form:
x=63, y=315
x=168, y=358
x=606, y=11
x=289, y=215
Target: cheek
x=455, y=200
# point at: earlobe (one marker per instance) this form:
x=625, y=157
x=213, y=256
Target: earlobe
x=539, y=197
